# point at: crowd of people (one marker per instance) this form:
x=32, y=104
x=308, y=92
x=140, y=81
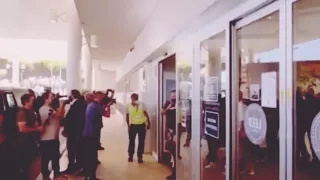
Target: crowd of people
x=39, y=121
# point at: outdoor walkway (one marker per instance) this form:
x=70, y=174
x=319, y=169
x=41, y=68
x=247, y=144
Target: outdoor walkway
x=114, y=164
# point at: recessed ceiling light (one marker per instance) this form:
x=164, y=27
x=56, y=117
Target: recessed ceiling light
x=53, y=21
x=269, y=17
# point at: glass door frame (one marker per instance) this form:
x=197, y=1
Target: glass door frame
x=290, y=149
x=196, y=101
x=160, y=138
x=234, y=54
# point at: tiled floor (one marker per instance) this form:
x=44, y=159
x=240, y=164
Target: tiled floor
x=114, y=165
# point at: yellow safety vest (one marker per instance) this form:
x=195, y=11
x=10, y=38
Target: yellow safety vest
x=136, y=114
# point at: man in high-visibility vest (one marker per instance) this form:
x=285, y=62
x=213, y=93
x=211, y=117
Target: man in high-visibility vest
x=138, y=123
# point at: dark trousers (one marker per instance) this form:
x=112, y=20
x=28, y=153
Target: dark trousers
x=75, y=152
x=99, y=143
x=133, y=131
x=50, y=152
x=213, y=146
x=90, y=156
x=26, y=152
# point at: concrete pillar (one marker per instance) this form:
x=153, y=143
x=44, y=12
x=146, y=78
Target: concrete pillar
x=87, y=69
x=95, y=75
x=74, y=49
x=214, y=63
x=15, y=73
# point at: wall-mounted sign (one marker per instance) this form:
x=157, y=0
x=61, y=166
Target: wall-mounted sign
x=255, y=124
x=269, y=89
x=212, y=124
x=211, y=90
x=315, y=135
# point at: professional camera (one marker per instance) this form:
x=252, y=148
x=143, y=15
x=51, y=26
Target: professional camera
x=50, y=113
x=68, y=101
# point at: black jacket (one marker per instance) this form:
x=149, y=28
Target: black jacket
x=75, y=119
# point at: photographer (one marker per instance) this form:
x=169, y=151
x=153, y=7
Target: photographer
x=49, y=139
x=106, y=103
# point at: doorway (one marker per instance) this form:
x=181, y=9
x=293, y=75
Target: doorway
x=304, y=64
x=167, y=85
x=256, y=79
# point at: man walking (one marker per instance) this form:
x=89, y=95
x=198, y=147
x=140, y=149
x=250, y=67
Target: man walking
x=49, y=138
x=91, y=135
x=138, y=122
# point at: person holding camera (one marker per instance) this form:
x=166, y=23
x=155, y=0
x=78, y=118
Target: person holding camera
x=91, y=135
x=49, y=138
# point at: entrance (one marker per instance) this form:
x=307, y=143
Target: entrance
x=167, y=84
x=256, y=83
x=213, y=107
x=305, y=103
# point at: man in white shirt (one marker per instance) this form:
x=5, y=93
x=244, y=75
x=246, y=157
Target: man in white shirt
x=49, y=138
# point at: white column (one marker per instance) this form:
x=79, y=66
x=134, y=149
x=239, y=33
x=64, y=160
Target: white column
x=15, y=73
x=87, y=69
x=214, y=63
x=95, y=75
x=74, y=50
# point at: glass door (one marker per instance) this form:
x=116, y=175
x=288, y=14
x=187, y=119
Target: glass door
x=258, y=106
x=304, y=79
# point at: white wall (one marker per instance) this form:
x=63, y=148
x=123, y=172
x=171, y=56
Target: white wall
x=180, y=23
x=167, y=20
x=103, y=79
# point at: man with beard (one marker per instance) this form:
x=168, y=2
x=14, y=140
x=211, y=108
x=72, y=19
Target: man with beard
x=169, y=110
x=74, y=125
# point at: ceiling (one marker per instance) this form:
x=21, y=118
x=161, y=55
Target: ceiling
x=116, y=24
x=31, y=19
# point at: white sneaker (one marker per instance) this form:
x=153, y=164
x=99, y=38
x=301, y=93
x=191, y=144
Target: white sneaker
x=210, y=165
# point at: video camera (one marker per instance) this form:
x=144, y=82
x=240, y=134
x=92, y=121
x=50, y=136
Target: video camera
x=108, y=99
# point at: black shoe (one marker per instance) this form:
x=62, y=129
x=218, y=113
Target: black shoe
x=98, y=162
x=60, y=176
x=100, y=148
x=171, y=177
x=130, y=159
x=68, y=171
x=91, y=178
x=140, y=160
x=82, y=174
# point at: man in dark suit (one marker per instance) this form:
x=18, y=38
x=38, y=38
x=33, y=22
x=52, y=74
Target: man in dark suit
x=74, y=125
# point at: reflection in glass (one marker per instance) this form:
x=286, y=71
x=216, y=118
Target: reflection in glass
x=306, y=56
x=184, y=129
x=213, y=108
x=258, y=107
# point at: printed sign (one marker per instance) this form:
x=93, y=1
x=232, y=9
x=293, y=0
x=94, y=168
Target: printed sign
x=269, y=89
x=212, y=89
x=255, y=124
x=212, y=124
x=315, y=135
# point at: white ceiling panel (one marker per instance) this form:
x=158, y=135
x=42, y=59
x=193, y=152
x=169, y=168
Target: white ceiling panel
x=30, y=19
x=116, y=23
